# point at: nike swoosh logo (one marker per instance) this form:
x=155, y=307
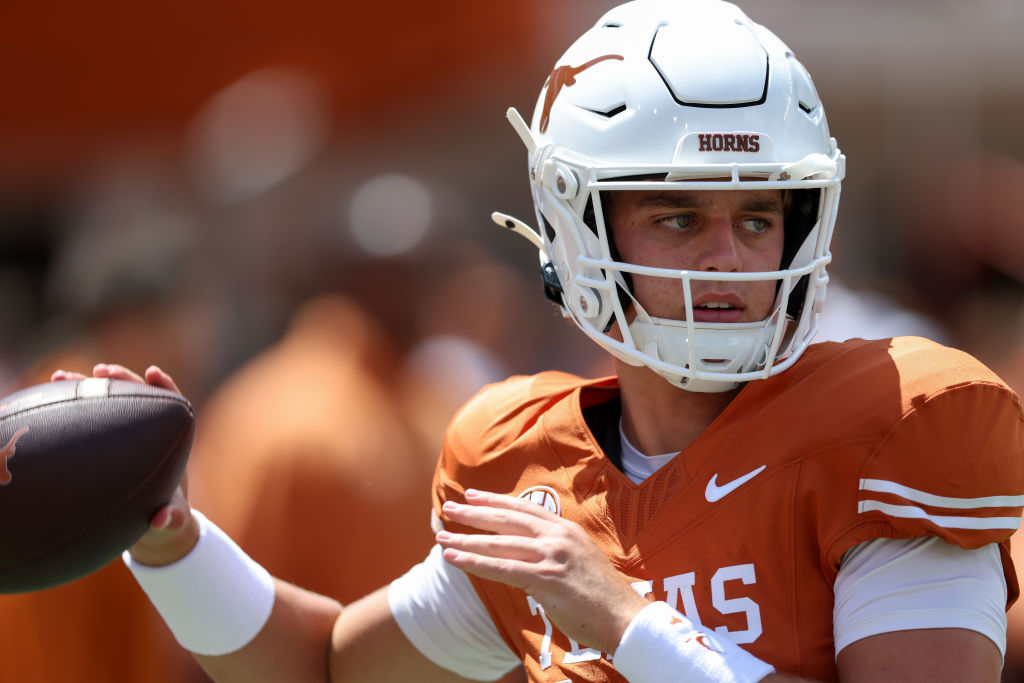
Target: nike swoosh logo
x=714, y=492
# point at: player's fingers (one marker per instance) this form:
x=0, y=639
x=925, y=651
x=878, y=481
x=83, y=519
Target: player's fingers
x=168, y=518
x=158, y=378
x=507, y=547
x=59, y=375
x=115, y=371
x=508, y=571
x=173, y=516
x=497, y=500
x=495, y=519
x=173, y=531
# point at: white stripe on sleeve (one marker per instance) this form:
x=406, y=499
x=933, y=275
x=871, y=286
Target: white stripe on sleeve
x=979, y=514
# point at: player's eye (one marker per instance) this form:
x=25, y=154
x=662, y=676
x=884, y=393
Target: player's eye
x=677, y=222
x=755, y=226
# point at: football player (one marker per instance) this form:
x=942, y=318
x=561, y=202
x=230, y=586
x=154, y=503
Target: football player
x=736, y=504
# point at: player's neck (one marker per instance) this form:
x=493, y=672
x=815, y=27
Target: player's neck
x=660, y=418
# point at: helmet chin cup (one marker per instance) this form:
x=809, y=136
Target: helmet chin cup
x=697, y=357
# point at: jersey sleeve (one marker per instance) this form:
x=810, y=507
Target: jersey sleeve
x=484, y=443
x=475, y=437
x=951, y=467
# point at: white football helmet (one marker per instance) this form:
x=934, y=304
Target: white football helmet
x=674, y=94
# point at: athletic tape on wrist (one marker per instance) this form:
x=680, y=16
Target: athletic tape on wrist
x=660, y=644
x=215, y=599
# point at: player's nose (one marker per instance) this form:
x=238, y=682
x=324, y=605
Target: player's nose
x=718, y=249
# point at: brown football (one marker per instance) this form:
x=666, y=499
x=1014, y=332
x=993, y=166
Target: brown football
x=84, y=465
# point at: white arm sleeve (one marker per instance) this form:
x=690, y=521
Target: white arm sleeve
x=440, y=613
x=889, y=585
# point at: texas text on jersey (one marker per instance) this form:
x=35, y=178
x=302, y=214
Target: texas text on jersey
x=761, y=513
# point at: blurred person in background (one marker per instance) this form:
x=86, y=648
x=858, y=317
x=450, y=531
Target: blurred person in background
x=255, y=96
x=308, y=456
x=320, y=425
x=305, y=441
x=967, y=258
x=865, y=314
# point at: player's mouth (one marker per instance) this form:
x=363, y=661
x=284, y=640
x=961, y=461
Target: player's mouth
x=718, y=309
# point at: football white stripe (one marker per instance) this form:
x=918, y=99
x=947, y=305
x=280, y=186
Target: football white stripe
x=883, y=486
x=912, y=512
x=93, y=387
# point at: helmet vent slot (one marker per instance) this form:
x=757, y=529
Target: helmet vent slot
x=610, y=112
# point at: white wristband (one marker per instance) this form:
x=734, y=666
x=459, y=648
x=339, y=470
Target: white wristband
x=660, y=644
x=215, y=599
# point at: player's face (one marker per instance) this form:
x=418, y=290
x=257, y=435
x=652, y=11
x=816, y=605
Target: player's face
x=727, y=231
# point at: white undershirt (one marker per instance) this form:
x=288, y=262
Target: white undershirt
x=637, y=466
x=883, y=585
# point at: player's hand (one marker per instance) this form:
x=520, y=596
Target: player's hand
x=173, y=531
x=550, y=558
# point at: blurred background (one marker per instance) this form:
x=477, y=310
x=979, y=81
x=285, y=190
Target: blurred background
x=204, y=185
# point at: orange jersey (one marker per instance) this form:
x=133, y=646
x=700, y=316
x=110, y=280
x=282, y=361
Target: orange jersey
x=745, y=530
